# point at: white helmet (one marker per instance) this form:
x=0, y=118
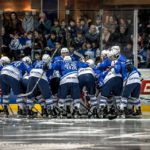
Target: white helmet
x=67, y=58
x=110, y=54
x=115, y=50
x=64, y=50
x=90, y=62
x=27, y=59
x=104, y=53
x=115, y=47
x=5, y=60
x=46, y=58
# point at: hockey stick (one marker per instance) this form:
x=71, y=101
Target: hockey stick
x=29, y=93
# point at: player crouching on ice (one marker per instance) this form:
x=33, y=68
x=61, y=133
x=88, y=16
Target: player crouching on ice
x=69, y=85
x=112, y=85
x=40, y=76
x=86, y=76
x=10, y=78
x=131, y=92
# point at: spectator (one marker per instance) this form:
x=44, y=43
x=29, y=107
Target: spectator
x=27, y=47
x=15, y=24
x=78, y=41
x=148, y=27
x=96, y=49
x=148, y=58
x=92, y=35
x=5, y=22
x=62, y=33
x=52, y=41
x=15, y=46
x=142, y=56
x=89, y=52
x=98, y=24
x=28, y=22
x=124, y=38
x=56, y=27
x=43, y=24
x=128, y=51
x=58, y=48
x=72, y=29
x=39, y=41
x=122, y=22
x=83, y=26
x=114, y=37
x=109, y=22
x=105, y=37
x=129, y=27
x=6, y=41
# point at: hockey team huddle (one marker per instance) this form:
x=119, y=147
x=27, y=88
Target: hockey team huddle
x=72, y=87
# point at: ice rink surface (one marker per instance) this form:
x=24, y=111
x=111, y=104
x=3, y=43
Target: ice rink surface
x=74, y=134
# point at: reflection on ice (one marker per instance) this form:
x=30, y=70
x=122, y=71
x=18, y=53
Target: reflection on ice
x=76, y=134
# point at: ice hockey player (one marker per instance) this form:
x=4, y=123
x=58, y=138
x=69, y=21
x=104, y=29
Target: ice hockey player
x=112, y=87
x=40, y=76
x=55, y=78
x=106, y=62
x=10, y=74
x=69, y=83
x=86, y=76
x=131, y=91
x=1, y=64
x=25, y=78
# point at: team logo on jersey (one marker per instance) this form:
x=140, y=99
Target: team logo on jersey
x=145, y=87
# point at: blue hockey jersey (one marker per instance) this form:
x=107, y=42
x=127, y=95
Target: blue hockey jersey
x=104, y=64
x=38, y=71
x=16, y=69
x=68, y=70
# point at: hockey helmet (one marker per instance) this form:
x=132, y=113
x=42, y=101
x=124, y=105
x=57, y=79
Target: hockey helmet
x=90, y=62
x=64, y=50
x=5, y=60
x=115, y=50
x=129, y=65
x=67, y=58
x=27, y=59
x=46, y=58
x=104, y=53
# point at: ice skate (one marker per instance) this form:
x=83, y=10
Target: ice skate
x=30, y=113
x=102, y=112
x=138, y=113
x=76, y=112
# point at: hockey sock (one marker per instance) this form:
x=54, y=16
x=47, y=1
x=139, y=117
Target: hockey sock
x=61, y=102
x=49, y=102
x=123, y=103
x=118, y=101
x=76, y=103
x=93, y=101
x=55, y=100
x=68, y=100
x=136, y=102
x=20, y=103
x=103, y=101
x=30, y=103
x=130, y=104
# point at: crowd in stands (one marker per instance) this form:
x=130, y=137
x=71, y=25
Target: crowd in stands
x=31, y=37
